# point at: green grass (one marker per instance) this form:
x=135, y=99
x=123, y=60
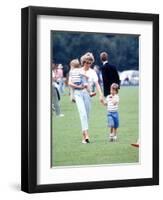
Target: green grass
x=67, y=149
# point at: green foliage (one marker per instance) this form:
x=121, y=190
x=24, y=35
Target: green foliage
x=123, y=49
x=67, y=148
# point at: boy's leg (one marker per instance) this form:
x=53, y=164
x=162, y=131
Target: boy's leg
x=111, y=125
x=116, y=124
x=111, y=135
x=115, y=131
x=115, y=134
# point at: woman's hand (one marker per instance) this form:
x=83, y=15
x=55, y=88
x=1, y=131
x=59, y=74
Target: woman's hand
x=101, y=98
x=80, y=86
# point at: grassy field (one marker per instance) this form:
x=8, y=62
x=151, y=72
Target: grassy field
x=67, y=149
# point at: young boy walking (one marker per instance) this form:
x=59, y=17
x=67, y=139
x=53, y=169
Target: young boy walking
x=112, y=102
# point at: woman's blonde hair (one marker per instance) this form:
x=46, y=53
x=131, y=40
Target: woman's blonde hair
x=75, y=63
x=87, y=57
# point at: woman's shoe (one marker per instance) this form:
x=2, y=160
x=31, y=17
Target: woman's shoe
x=87, y=140
x=84, y=142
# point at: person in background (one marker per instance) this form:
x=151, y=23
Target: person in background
x=66, y=70
x=109, y=73
x=59, y=78
x=55, y=94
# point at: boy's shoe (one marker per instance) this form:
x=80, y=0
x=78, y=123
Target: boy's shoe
x=92, y=94
x=84, y=142
x=111, y=136
x=115, y=138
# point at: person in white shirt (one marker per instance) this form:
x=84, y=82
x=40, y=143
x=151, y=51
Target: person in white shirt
x=112, y=102
x=55, y=94
x=82, y=96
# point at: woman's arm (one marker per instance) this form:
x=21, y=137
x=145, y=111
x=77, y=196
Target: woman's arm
x=74, y=85
x=104, y=102
x=100, y=92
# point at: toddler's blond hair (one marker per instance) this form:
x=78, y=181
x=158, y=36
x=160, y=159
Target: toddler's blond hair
x=75, y=63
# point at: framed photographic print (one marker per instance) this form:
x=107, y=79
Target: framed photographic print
x=90, y=99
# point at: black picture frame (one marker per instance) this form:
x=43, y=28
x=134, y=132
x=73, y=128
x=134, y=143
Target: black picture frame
x=29, y=98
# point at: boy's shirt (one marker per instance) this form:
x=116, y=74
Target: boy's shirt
x=112, y=102
x=75, y=75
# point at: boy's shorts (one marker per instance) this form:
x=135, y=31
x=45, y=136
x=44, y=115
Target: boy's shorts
x=113, y=119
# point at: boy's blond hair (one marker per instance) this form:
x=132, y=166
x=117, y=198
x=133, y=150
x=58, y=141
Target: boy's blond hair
x=75, y=63
x=115, y=87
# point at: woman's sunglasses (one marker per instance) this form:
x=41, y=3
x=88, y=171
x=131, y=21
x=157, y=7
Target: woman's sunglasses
x=88, y=63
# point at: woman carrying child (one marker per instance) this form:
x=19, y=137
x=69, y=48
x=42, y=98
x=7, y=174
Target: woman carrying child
x=83, y=93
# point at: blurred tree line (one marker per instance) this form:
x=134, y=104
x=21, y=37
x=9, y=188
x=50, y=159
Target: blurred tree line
x=123, y=50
